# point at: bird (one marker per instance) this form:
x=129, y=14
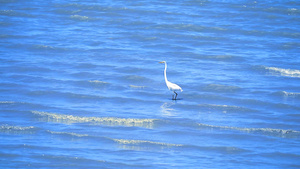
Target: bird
x=171, y=86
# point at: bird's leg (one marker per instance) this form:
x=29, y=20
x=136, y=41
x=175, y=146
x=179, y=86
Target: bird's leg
x=175, y=95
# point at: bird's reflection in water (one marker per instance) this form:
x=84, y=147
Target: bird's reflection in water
x=166, y=110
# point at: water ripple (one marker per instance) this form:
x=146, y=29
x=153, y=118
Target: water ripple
x=265, y=131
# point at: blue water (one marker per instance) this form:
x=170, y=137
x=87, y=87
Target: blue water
x=81, y=86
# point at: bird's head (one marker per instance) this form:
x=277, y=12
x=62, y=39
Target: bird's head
x=162, y=62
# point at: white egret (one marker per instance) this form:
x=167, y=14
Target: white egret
x=172, y=86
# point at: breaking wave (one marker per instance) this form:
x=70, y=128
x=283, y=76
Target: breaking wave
x=289, y=94
x=139, y=142
x=111, y=121
x=80, y=18
x=17, y=129
x=283, y=72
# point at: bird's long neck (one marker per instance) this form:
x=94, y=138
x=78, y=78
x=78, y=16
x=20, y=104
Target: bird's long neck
x=165, y=72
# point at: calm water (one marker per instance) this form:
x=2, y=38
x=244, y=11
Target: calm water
x=81, y=86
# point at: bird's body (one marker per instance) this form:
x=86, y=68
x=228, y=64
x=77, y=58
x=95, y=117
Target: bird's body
x=171, y=86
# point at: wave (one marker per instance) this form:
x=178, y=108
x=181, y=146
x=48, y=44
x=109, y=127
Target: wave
x=19, y=72
x=17, y=106
x=136, y=79
x=65, y=161
x=17, y=129
x=94, y=83
x=140, y=142
x=142, y=145
x=97, y=82
x=69, y=95
x=288, y=94
x=110, y=121
x=80, y=18
x=265, y=131
x=14, y=13
x=43, y=47
x=137, y=87
x=189, y=27
x=119, y=141
x=40, y=48
x=68, y=133
x=224, y=108
x=283, y=72
x=139, y=145
x=7, y=102
x=224, y=58
x=220, y=88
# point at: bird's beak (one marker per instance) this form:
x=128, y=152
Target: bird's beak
x=161, y=62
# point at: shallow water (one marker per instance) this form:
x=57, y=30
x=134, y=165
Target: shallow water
x=81, y=86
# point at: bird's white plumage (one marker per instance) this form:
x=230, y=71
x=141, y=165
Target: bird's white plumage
x=171, y=86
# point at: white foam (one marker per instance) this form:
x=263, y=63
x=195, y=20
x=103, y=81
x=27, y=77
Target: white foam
x=113, y=121
x=17, y=129
x=266, y=131
x=79, y=17
x=290, y=94
x=137, y=142
x=137, y=87
x=7, y=127
x=7, y=102
x=120, y=141
x=97, y=82
x=43, y=47
x=71, y=134
x=284, y=72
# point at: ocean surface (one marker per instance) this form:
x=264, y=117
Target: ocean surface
x=81, y=85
